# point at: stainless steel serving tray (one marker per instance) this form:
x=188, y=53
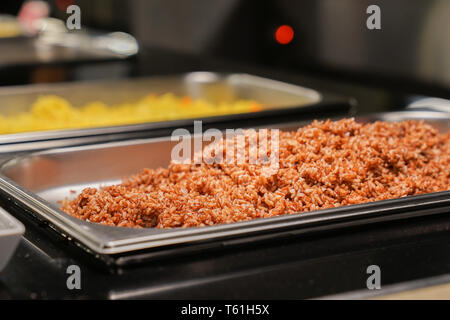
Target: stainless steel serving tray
x=35, y=182
x=279, y=98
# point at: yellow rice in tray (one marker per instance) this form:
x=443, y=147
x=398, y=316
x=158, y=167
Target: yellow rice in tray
x=53, y=112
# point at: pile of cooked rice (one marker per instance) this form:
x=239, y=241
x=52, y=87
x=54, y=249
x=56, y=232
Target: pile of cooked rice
x=323, y=165
x=53, y=112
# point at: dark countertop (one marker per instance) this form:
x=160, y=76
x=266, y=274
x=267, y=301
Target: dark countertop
x=302, y=267
x=299, y=267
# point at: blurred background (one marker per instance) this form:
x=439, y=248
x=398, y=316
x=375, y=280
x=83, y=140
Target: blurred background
x=322, y=42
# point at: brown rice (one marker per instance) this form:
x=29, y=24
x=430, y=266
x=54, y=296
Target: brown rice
x=322, y=165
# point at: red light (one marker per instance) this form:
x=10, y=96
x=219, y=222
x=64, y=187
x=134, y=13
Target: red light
x=284, y=34
x=64, y=4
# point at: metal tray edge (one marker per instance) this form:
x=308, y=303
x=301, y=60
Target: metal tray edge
x=363, y=211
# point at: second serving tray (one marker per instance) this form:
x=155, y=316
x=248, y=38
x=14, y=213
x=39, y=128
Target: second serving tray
x=279, y=99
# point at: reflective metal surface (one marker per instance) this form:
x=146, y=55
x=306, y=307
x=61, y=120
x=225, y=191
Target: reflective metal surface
x=38, y=180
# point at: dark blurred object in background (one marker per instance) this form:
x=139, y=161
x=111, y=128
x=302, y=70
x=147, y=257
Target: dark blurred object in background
x=37, y=45
x=330, y=36
x=410, y=53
